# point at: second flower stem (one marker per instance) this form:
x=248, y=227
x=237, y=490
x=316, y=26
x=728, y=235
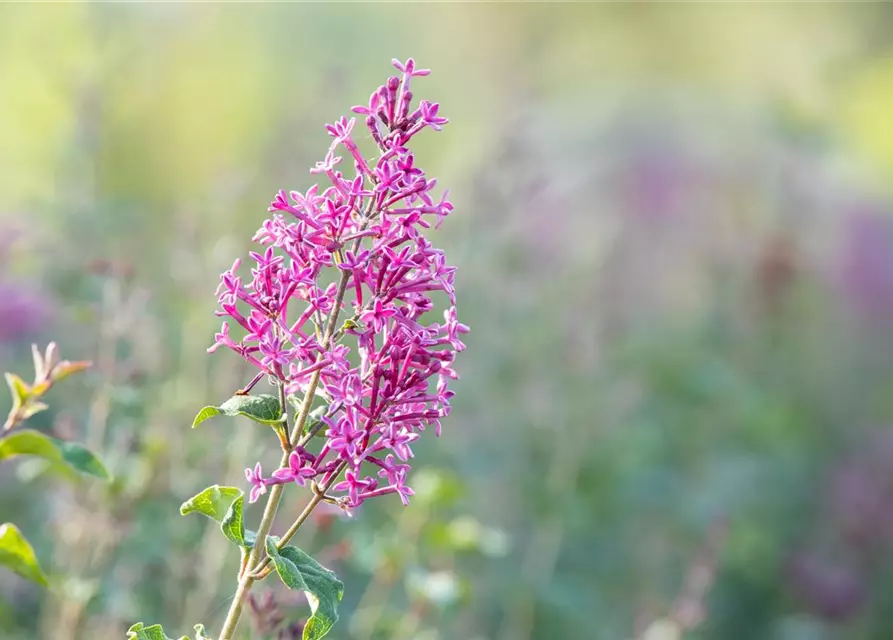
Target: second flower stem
x=247, y=580
x=262, y=570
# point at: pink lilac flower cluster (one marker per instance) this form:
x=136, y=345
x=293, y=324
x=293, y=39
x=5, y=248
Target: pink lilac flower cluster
x=365, y=232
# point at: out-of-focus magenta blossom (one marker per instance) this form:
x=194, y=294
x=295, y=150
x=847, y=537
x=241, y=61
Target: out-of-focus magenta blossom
x=23, y=312
x=867, y=266
x=367, y=229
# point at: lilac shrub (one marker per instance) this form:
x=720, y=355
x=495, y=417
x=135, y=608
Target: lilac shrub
x=336, y=313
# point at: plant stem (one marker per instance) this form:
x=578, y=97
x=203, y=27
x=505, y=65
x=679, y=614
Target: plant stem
x=262, y=570
x=285, y=438
x=247, y=580
x=327, y=338
x=235, y=611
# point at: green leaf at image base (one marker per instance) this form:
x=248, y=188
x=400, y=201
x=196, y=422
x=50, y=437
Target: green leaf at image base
x=322, y=587
x=263, y=408
x=16, y=554
x=139, y=631
x=224, y=506
x=34, y=443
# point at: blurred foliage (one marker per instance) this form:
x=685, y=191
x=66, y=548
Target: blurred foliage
x=673, y=227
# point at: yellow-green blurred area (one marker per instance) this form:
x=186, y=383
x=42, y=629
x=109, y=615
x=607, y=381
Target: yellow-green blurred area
x=674, y=231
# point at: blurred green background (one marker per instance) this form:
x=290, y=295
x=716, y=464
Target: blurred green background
x=674, y=228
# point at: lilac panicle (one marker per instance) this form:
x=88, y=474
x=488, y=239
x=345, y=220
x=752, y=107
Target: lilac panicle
x=385, y=372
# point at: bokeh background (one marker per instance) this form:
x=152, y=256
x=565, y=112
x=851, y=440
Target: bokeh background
x=674, y=229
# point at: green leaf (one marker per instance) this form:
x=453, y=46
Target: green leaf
x=29, y=442
x=224, y=506
x=34, y=443
x=21, y=393
x=313, y=420
x=204, y=414
x=213, y=502
x=18, y=388
x=322, y=587
x=17, y=554
x=232, y=525
x=263, y=408
x=200, y=633
x=31, y=409
x=139, y=631
x=80, y=458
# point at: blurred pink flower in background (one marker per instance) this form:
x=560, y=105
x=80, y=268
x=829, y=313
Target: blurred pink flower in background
x=23, y=312
x=867, y=263
x=834, y=575
x=658, y=182
x=24, y=309
x=834, y=591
